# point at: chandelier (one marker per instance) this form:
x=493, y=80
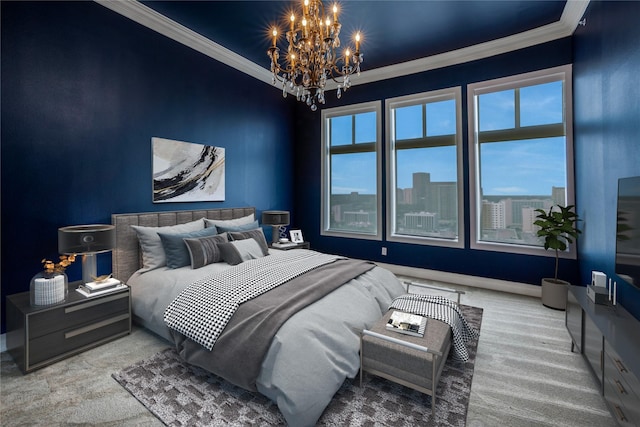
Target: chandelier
x=313, y=55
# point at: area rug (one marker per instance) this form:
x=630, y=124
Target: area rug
x=183, y=395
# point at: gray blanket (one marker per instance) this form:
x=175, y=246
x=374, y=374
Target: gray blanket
x=241, y=348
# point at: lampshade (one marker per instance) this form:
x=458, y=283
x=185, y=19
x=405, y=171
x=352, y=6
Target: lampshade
x=86, y=239
x=275, y=217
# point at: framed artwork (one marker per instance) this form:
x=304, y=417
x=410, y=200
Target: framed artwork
x=187, y=172
x=296, y=236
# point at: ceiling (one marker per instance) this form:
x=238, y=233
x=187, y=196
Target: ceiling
x=400, y=37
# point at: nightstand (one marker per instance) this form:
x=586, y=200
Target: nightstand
x=40, y=336
x=303, y=245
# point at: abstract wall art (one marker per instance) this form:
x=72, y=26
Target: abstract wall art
x=187, y=172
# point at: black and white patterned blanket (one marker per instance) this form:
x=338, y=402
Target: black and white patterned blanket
x=203, y=309
x=444, y=310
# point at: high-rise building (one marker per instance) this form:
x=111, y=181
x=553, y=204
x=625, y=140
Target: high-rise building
x=493, y=215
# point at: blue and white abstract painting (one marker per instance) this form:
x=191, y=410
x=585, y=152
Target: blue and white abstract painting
x=187, y=172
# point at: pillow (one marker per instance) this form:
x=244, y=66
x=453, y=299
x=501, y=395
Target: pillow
x=152, y=251
x=229, y=222
x=256, y=234
x=249, y=226
x=175, y=249
x=240, y=250
x=204, y=250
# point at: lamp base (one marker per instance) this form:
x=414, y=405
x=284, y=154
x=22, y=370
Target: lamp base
x=89, y=268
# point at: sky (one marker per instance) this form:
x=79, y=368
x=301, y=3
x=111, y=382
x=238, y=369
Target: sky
x=528, y=167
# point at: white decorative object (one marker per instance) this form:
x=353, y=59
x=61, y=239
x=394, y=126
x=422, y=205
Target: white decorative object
x=47, y=289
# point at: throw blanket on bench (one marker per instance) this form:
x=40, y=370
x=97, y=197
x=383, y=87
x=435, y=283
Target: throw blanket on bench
x=444, y=310
x=203, y=309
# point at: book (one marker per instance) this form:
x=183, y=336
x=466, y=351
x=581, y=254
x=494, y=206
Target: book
x=284, y=245
x=407, y=323
x=92, y=293
x=104, y=284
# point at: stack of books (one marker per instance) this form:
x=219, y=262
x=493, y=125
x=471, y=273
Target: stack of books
x=91, y=289
x=281, y=245
x=407, y=323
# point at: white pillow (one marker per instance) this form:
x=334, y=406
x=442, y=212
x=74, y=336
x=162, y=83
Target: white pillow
x=230, y=222
x=153, y=255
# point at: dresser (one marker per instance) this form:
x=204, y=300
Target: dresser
x=39, y=336
x=609, y=339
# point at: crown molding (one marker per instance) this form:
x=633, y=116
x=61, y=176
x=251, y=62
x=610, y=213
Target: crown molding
x=138, y=12
x=155, y=21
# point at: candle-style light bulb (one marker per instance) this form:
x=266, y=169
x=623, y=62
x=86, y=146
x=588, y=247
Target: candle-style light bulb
x=275, y=36
x=346, y=57
x=293, y=20
x=358, y=41
x=335, y=12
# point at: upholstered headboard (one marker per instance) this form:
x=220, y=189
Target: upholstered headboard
x=126, y=257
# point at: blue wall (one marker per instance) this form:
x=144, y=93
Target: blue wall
x=521, y=268
x=83, y=91
x=607, y=130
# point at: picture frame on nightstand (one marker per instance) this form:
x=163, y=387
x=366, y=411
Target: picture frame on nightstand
x=296, y=236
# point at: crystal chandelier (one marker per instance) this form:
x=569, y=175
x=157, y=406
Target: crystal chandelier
x=312, y=55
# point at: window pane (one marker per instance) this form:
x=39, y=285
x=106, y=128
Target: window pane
x=426, y=193
x=541, y=104
x=353, y=192
x=516, y=178
x=497, y=110
x=441, y=118
x=408, y=122
x=366, y=127
x=341, y=130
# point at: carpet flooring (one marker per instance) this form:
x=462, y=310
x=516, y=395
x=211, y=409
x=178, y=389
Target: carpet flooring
x=525, y=375
x=183, y=395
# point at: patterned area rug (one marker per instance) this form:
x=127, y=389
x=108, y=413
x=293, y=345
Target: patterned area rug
x=180, y=394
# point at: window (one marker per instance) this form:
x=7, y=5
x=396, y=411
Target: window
x=520, y=146
x=351, y=196
x=424, y=163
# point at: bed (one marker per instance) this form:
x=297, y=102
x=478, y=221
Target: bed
x=307, y=355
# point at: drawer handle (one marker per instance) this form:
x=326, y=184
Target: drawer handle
x=95, y=302
x=620, y=366
x=94, y=326
x=621, y=389
x=619, y=413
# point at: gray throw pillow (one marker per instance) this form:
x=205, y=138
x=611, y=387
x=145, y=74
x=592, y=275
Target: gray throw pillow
x=204, y=250
x=175, y=248
x=256, y=234
x=240, y=250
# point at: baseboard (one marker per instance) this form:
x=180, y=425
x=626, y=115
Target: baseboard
x=465, y=280
x=3, y=343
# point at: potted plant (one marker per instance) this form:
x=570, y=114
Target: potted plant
x=558, y=227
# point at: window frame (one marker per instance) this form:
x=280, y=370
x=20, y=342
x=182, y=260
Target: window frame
x=563, y=73
x=325, y=217
x=455, y=94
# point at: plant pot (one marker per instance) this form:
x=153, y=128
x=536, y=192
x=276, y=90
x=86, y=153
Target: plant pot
x=554, y=293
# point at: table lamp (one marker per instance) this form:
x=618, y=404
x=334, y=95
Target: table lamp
x=87, y=240
x=278, y=220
